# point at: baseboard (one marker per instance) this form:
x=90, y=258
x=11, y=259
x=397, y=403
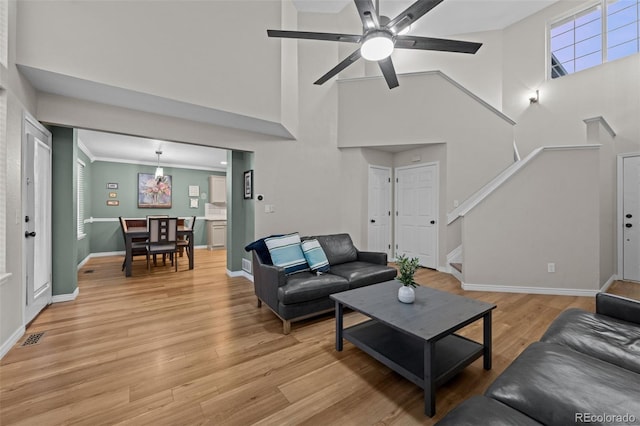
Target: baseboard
x=84, y=261
x=530, y=290
x=610, y=281
x=244, y=274
x=107, y=253
x=12, y=340
x=58, y=298
x=456, y=274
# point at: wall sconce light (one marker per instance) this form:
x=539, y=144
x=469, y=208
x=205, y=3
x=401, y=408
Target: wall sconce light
x=535, y=99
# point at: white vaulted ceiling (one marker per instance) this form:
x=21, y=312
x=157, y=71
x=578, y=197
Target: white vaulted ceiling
x=449, y=17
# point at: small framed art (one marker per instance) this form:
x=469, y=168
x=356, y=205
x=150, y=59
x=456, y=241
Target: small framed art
x=248, y=184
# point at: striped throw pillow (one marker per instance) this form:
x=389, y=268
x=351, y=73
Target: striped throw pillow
x=286, y=252
x=316, y=258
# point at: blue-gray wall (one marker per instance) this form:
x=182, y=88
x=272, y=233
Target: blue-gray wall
x=104, y=233
x=240, y=211
x=63, y=211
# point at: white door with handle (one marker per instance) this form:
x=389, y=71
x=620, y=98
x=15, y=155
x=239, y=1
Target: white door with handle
x=379, y=226
x=417, y=213
x=37, y=217
x=631, y=218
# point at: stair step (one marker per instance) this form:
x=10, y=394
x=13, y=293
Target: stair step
x=457, y=266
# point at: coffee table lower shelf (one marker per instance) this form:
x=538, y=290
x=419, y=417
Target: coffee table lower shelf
x=404, y=353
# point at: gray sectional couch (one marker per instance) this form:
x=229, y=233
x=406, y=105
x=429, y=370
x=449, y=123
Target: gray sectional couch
x=584, y=370
x=304, y=294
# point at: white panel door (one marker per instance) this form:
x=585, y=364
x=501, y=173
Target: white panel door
x=37, y=220
x=631, y=219
x=417, y=213
x=379, y=227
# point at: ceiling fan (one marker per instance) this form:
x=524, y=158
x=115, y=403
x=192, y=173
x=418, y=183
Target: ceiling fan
x=380, y=35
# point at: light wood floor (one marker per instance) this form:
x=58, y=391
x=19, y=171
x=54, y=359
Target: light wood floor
x=191, y=348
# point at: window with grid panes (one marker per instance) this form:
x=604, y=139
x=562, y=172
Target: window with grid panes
x=602, y=32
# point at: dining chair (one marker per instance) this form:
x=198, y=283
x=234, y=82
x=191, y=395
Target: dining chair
x=155, y=215
x=138, y=245
x=163, y=238
x=183, y=241
x=149, y=216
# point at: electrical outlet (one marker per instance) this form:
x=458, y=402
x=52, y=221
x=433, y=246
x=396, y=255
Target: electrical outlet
x=551, y=267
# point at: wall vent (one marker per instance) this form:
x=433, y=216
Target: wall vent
x=246, y=265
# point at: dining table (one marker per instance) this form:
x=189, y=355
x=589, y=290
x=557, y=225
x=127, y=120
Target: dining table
x=132, y=233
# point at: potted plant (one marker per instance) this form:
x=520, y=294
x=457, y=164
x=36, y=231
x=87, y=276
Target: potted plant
x=407, y=268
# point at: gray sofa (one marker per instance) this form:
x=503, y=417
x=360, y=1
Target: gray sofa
x=304, y=294
x=584, y=369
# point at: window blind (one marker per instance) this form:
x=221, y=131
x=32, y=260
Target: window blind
x=81, y=198
x=3, y=180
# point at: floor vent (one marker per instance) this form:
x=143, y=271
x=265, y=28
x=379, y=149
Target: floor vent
x=246, y=265
x=33, y=339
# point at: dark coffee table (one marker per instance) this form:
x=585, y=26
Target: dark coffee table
x=416, y=340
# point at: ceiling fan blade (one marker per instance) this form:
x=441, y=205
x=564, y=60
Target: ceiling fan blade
x=349, y=38
x=411, y=14
x=368, y=14
x=444, y=45
x=389, y=72
x=342, y=65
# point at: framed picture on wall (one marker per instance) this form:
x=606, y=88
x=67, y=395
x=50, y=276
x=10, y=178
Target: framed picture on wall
x=154, y=192
x=248, y=184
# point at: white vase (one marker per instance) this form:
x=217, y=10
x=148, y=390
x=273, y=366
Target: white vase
x=406, y=294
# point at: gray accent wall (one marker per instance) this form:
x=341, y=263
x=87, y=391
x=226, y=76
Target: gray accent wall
x=105, y=234
x=64, y=211
x=241, y=211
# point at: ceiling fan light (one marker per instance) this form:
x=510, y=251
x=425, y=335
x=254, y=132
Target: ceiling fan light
x=377, y=46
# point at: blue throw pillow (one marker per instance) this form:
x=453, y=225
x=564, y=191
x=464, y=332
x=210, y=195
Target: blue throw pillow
x=286, y=252
x=261, y=249
x=316, y=258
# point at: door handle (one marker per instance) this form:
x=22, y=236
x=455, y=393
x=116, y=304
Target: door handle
x=373, y=221
x=628, y=225
x=433, y=222
x=28, y=234
x=628, y=215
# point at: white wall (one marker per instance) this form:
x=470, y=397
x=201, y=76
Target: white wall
x=209, y=53
x=599, y=134
x=611, y=90
x=547, y=213
x=428, y=108
x=20, y=98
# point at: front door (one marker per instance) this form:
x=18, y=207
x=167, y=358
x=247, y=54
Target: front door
x=379, y=226
x=417, y=213
x=631, y=218
x=36, y=192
